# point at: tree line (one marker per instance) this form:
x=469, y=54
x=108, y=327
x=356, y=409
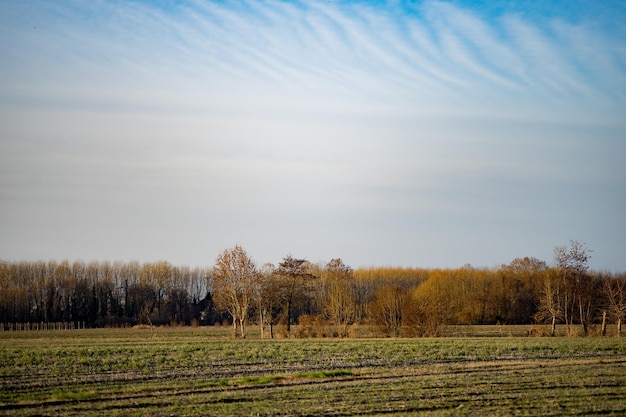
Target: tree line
x=102, y=294
x=327, y=298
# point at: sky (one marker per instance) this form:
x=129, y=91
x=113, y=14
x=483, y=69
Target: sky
x=387, y=133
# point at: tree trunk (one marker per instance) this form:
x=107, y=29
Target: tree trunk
x=582, y=318
x=567, y=319
x=242, y=327
x=604, y=323
x=262, y=322
x=619, y=327
x=553, y=331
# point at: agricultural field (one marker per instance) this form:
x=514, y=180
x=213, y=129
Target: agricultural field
x=201, y=371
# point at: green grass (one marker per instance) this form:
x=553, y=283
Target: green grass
x=324, y=374
x=259, y=380
x=201, y=371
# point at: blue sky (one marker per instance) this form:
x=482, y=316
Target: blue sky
x=428, y=134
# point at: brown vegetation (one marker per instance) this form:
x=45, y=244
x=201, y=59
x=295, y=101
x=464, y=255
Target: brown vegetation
x=328, y=299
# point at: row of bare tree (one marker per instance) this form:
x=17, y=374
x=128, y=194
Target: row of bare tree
x=409, y=301
x=102, y=293
x=418, y=301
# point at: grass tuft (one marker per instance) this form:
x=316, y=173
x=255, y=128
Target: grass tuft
x=259, y=380
x=324, y=374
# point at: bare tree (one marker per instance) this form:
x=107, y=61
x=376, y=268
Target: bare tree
x=388, y=308
x=295, y=277
x=433, y=304
x=267, y=298
x=615, y=292
x=551, y=307
x=235, y=281
x=516, y=297
x=339, y=295
x=578, y=294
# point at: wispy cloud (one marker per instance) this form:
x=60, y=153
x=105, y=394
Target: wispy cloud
x=345, y=112
x=439, y=49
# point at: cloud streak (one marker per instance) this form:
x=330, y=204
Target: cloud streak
x=440, y=51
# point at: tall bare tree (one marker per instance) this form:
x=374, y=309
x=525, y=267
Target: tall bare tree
x=573, y=266
x=339, y=299
x=235, y=282
x=519, y=282
x=295, y=280
x=388, y=308
x=433, y=304
x=615, y=292
x=268, y=298
x=551, y=301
